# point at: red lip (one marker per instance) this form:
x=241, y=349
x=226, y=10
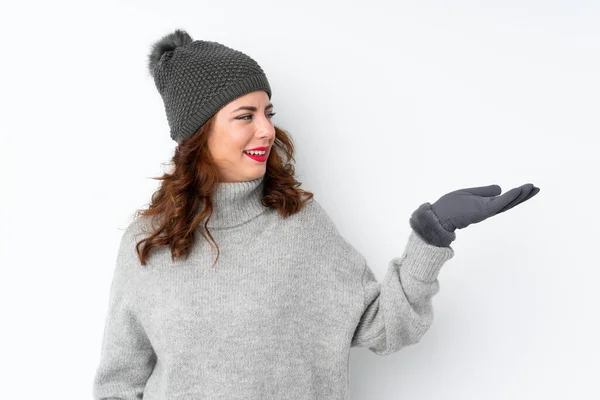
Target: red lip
x=264, y=148
x=262, y=158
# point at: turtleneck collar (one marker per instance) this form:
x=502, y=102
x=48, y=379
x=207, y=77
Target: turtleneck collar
x=236, y=202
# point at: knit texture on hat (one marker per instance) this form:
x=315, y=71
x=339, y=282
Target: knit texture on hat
x=196, y=78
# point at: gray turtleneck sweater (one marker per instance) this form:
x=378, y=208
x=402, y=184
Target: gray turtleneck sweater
x=274, y=319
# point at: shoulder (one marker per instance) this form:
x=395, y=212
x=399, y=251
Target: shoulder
x=316, y=224
x=313, y=218
x=331, y=248
x=138, y=228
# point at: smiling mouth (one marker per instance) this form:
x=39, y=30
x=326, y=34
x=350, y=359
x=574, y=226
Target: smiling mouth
x=260, y=158
x=258, y=155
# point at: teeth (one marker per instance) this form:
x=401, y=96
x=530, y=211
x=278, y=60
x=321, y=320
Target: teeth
x=256, y=153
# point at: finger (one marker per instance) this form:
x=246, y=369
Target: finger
x=533, y=192
x=485, y=191
x=525, y=194
x=501, y=203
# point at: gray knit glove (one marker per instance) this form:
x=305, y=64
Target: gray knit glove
x=436, y=222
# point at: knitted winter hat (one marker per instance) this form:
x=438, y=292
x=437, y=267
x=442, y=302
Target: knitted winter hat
x=197, y=77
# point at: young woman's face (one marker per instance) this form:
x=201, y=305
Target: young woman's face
x=243, y=124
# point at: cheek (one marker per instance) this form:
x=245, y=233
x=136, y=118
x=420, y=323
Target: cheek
x=241, y=142
x=235, y=150
x=231, y=146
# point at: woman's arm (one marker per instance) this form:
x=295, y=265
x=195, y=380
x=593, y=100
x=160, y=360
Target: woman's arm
x=127, y=357
x=398, y=311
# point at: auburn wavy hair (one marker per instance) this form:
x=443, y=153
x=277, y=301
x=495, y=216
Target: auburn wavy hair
x=188, y=188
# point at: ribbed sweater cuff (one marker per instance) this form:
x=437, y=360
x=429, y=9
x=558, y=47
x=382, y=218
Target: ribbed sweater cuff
x=424, y=261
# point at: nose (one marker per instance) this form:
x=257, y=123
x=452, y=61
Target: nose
x=266, y=128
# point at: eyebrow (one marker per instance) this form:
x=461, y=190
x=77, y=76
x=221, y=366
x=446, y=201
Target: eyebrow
x=251, y=108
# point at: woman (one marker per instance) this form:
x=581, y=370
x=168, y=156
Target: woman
x=235, y=284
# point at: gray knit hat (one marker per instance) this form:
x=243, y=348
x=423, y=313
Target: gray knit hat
x=197, y=77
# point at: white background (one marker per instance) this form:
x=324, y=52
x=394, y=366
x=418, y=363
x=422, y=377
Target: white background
x=390, y=104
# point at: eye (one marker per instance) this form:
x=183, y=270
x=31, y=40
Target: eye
x=243, y=117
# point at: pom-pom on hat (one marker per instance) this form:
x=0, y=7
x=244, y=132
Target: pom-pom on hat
x=197, y=77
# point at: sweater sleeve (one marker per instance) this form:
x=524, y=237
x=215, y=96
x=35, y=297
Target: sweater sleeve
x=398, y=311
x=127, y=357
